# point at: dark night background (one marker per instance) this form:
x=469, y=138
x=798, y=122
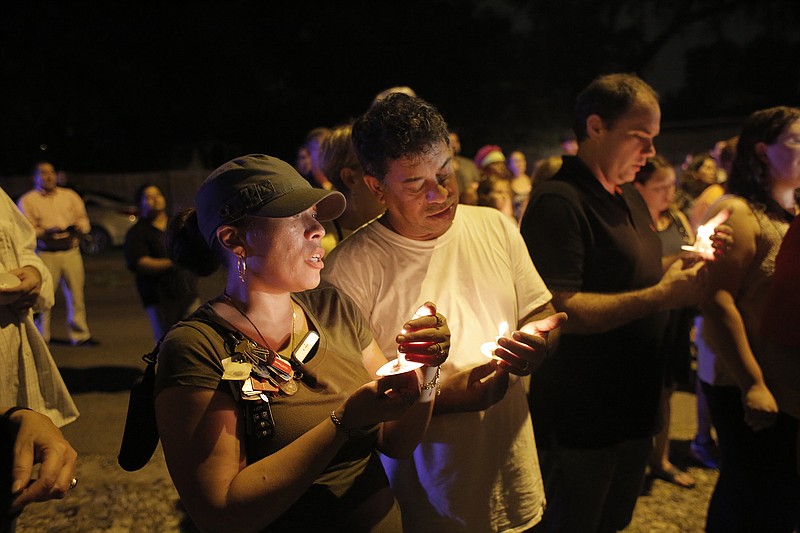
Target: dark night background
x=134, y=86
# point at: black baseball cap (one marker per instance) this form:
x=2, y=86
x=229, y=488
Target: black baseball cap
x=259, y=185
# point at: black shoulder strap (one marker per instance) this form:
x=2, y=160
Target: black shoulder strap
x=230, y=336
x=140, y=436
x=151, y=358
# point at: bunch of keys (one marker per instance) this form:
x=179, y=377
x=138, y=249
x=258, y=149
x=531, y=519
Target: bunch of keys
x=264, y=374
x=267, y=373
x=258, y=419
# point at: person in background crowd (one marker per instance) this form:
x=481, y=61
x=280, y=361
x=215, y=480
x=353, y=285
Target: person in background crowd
x=656, y=183
x=699, y=173
x=758, y=488
x=703, y=448
x=403, y=89
x=569, y=145
x=491, y=160
x=303, y=163
x=312, y=144
x=476, y=467
x=595, y=401
x=496, y=193
x=262, y=430
x=518, y=166
x=546, y=169
x=521, y=183
x=722, y=154
x=467, y=174
x=59, y=218
x=168, y=292
x=338, y=161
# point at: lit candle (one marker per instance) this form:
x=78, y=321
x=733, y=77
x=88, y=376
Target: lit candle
x=401, y=365
x=488, y=348
x=702, y=243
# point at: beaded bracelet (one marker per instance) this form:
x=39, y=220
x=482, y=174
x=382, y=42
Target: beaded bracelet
x=340, y=426
x=434, y=383
x=352, y=433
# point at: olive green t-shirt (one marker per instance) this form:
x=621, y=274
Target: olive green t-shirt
x=192, y=353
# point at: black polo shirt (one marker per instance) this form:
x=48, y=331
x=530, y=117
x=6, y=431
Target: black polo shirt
x=601, y=389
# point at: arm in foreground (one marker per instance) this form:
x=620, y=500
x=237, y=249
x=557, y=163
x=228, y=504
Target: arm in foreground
x=591, y=313
x=203, y=439
x=39, y=441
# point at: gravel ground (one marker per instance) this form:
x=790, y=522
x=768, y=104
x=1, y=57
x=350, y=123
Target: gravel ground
x=108, y=499
x=667, y=507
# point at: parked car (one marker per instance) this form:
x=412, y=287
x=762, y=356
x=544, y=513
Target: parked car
x=111, y=218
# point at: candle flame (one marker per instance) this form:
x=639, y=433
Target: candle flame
x=503, y=329
x=703, y=244
x=703, y=241
x=422, y=310
x=704, y=232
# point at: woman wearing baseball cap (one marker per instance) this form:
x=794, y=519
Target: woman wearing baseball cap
x=267, y=404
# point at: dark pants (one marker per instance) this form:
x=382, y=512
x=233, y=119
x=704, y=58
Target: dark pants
x=758, y=487
x=592, y=490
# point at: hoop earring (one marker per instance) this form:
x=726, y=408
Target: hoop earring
x=241, y=266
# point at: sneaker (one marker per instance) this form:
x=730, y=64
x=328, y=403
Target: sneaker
x=707, y=454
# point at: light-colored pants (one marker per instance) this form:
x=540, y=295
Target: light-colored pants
x=67, y=270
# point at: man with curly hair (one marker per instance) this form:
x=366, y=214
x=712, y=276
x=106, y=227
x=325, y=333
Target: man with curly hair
x=476, y=468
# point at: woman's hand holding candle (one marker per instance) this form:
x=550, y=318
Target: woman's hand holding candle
x=712, y=237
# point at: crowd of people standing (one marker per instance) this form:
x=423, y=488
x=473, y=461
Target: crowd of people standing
x=636, y=301
x=410, y=339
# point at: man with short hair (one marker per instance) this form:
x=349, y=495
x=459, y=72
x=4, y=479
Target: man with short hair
x=476, y=468
x=59, y=217
x=590, y=234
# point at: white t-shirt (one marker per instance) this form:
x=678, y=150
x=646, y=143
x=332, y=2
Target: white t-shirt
x=472, y=471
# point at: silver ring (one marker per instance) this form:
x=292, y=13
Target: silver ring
x=73, y=483
x=439, y=349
